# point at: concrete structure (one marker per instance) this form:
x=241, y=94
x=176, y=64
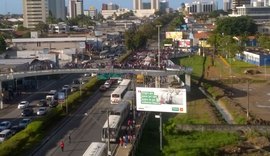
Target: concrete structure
x=227, y=5
x=57, y=9
x=237, y=3
x=164, y=5
x=34, y=11
x=75, y=8
x=139, y=11
x=259, y=13
x=109, y=13
x=92, y=12
x=201, y=7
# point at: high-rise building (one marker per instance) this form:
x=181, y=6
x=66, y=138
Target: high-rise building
x=112, y=6
x=201, y=7
x=75, y=8
x=57, y=8
x=155, y=4
x=137, y=4
x=34, y=11
x=237, y=3
x=227, y=5
x=163, y=5
x=266, y=2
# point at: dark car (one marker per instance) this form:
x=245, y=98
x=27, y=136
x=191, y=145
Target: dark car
x=15, y=129
x=27, y=112
x=42, y=103
x=102, y=88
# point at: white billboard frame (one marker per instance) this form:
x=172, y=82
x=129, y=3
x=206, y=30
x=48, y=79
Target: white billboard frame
x=172, y=100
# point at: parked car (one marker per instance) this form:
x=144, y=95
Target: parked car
x=108, y=84
x=23, y=104
x=5, y=134
x=5, y=125
x=42, y=103
x=24, y=122
x=42, y=111
x=102, y=88
x=27, y=112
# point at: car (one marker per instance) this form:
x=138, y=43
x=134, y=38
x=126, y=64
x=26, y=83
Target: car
x=5, y=125
x=24, y=122
x=42, y=103
x=66, y=88
x=23, y=104
x=107, y=84
x=27, y=112
x=5, y=134
x=42, y=111
x=102, y=88
x=15, y=129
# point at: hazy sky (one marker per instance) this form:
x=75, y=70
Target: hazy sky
x=15, y=6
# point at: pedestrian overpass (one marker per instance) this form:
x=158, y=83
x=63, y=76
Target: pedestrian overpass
x=155, y=73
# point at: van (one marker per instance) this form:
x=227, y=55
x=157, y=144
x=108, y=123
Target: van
x=5, y=134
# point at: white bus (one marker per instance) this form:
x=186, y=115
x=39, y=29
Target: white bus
x=118, y=94
x=122, y=109
x=114, y=125
x=96, y=149
x=125, y=82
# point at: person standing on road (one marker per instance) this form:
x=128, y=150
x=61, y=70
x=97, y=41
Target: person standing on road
x=62, y=145
x=69, y=137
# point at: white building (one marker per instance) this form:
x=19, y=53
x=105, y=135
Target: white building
x=34, y=11
x=201, y=7
x=75, y=8
x=258, y=14
x=57, y=9
x=108, y=13
x=139, y=11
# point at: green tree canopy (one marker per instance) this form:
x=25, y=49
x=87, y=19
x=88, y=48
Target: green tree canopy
x=264, y=41
x=42, y=27
x=236, y=26
x=3, y=44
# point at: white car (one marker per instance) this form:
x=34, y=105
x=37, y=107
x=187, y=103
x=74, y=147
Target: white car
x=24, y=122
x=5, y=125
x=23, y=104
x=42, y=111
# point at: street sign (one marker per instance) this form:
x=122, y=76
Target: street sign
x=107, y=76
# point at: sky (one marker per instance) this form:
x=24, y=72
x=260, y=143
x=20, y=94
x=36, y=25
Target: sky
x=15, y=6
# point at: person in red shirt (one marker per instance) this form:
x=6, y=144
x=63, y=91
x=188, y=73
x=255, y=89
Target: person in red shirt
x=62, y=145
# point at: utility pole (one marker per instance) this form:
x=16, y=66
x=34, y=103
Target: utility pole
x=248, y=99
x=108, y=130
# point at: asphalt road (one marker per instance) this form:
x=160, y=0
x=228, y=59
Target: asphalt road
x=14, y=115
x=84, y=126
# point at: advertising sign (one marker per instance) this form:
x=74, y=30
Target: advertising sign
x=161, y=100
x=185, y=43
x=174, y=35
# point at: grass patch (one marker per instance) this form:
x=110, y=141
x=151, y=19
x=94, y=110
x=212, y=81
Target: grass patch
x=197, y=143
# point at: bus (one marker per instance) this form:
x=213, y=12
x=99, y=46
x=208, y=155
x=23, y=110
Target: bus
x=122, y=109
x=114, y=122
x=118, y=94
x=129, y=98
x=96, y=149
x=103, y=54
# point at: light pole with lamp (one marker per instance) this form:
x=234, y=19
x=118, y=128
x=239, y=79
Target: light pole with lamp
x=158, y=86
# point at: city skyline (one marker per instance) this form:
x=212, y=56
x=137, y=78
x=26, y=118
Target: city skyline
x=15, y=6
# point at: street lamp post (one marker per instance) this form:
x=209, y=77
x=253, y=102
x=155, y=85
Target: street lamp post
x=108, y=131
x=158, y=86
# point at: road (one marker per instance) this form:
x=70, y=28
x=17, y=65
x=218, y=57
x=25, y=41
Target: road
x=83, y=128
x=13, y=114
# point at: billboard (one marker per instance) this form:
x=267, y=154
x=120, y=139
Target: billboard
x=174, y=35
x=185, y=43
x=161, y=100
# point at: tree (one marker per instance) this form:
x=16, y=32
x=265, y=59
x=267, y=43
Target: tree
x=236, y=26
x=3, y=44
x=264, y=41
x=42, y=27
